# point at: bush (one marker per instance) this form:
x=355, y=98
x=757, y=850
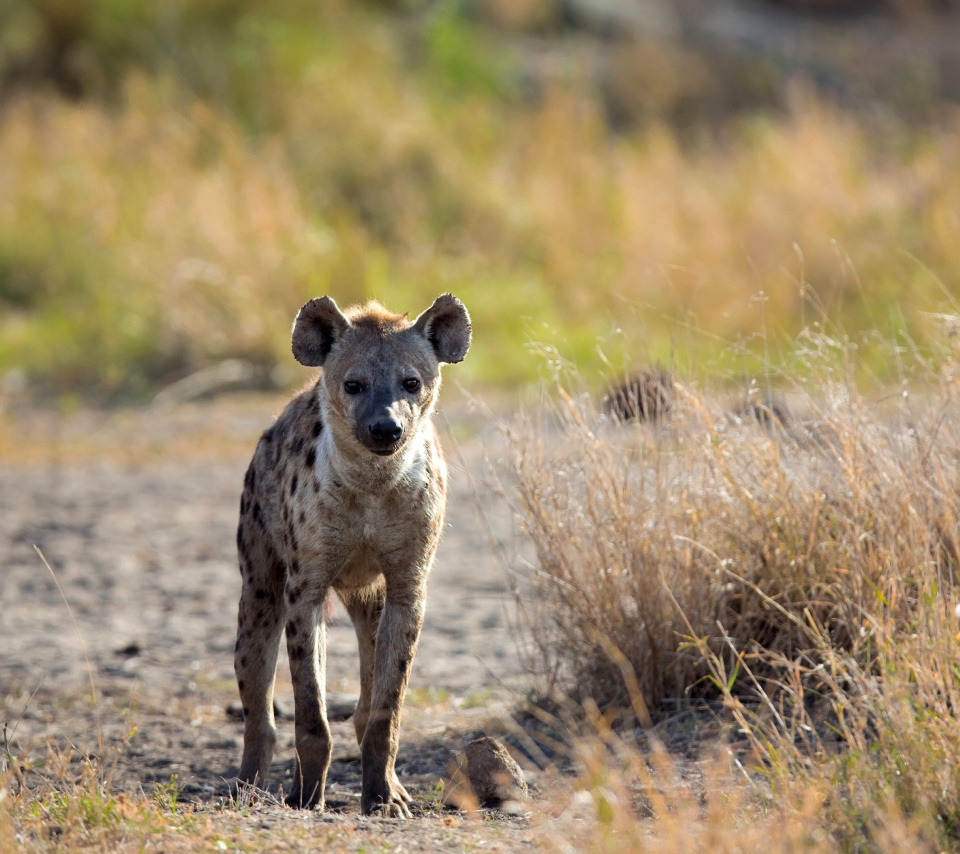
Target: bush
x=802, y=569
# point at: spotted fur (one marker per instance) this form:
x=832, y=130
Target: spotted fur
x=345, y=492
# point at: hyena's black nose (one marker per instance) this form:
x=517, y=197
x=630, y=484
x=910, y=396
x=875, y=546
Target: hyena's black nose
x=386, y=431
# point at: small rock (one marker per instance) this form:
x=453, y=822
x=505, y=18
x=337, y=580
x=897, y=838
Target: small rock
x=485, y=774
x=128, y=651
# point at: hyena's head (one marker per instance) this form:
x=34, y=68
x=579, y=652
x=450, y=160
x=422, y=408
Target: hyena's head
x=381, y=372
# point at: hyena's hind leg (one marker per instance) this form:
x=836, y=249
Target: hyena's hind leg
x=259, y=625
x=365, y=607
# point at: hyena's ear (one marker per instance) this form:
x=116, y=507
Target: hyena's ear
x=446, y=325
x=318, y=326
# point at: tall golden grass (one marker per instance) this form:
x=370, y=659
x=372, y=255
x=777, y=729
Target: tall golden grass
x=802, y=572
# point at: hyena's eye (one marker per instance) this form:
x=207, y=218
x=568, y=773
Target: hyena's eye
x=352, y=387
x=412, y=384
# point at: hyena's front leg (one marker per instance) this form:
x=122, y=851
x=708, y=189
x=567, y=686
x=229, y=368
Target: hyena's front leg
x=260, y=622
x=306, y=648
x=397, y=637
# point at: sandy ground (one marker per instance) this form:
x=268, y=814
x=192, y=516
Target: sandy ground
x=135, y=512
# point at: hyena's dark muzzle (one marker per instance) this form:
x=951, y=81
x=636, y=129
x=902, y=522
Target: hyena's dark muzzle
x=379, y=427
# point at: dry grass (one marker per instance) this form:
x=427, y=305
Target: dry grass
x=84, y=813
x=54, y=799
x=644, y=806
x=805, y=575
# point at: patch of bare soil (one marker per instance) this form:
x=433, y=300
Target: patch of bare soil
x=136, y=514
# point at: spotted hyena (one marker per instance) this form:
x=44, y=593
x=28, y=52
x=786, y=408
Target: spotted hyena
x=346, y=491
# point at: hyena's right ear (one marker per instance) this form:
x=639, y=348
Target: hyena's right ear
x=318, y=326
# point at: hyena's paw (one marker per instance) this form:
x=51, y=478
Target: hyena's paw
x=401, y=792
x=389, y=800
x=396, y=808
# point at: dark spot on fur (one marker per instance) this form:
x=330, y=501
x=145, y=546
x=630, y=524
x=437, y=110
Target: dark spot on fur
x=261, y=593
x=273, y=598
x=251, y=476
x=258, y=513
x=244, y=504
x=404, y=664
x=293, y=485
x=297, y=652
x=317, y=427
x=293, y=542
x=236, y=645
x=240, y=684
x=294, y=566
x=243, y=661
x=302, y=519
x=311, y=457
x=246, y=711
x=293, y=594
x=240, y=537
x=337, y=484
x=298, y=445
x=291, y=629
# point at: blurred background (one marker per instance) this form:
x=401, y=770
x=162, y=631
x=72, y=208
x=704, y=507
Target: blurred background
x=674, y=181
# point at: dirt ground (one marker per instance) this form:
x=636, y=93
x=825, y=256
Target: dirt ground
x=135, y=511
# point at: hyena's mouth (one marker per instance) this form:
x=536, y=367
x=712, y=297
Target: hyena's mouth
x=384, y=452
x=382, y=449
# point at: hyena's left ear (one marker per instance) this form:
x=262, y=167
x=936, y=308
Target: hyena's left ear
x=446, y=325
x=318, y=326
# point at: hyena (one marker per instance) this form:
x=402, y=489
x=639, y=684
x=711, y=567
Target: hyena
x=345, y=492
